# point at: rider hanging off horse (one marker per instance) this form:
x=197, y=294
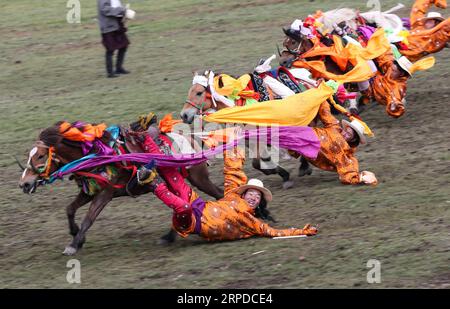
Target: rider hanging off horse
x=368, y=52
x=235, y=216
x=210, y=93
x=64, y=148
x=63, y=145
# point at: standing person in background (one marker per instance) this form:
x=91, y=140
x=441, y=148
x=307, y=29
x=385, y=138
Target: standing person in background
x=110, y=17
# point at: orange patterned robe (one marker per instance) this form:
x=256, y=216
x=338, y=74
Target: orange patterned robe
x=231, y=217
x=387, y=88
x=228, y=218
x=335, y=153
x=422, y=41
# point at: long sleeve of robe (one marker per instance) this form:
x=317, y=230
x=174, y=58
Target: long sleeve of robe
x=423, y=41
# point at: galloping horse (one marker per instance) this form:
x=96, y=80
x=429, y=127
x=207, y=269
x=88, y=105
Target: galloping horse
x=52, y=151
x=199, y=102
x=388, y=86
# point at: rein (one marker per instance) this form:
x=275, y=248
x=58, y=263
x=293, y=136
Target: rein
x=200, y=106
x=196, y=106
x=43, y=169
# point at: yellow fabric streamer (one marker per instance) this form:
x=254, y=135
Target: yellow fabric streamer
x=377, y=45
x=296, y=110
x=360, y=72
x=338, y=107
x=356, y=55
x=404, y=34
x=422, y=64
x=230, y=85
x=367, y=130
x=341, y=109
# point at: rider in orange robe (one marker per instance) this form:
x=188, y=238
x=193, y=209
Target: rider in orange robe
x=388, y=87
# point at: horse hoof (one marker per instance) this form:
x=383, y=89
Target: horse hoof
x=288, y=184
x=302, y=172
x=69, y=251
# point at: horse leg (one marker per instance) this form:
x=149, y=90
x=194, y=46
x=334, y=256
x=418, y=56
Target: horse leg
x=97, y=205
x=81, y=199
x=305, y=168
x=199, y=178
x=268, y=167
x=285, y=176
x=263, y=162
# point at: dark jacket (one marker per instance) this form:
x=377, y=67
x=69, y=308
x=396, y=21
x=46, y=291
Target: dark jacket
x=108, y=16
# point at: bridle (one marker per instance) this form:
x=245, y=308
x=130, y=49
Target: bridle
x=199, y=106
x=296, y=51
x=43, y=169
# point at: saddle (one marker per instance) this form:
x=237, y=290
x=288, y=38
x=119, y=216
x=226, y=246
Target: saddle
x=257, y=84
x=284, y=76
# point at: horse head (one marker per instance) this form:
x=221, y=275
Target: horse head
x=294, y=45
x=44, y=158
x=298, y=35
x=199, y=99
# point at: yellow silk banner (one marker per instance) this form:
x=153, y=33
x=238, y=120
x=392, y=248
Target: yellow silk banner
x=296, y=110
x=356, y=55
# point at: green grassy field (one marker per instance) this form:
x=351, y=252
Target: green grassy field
x=52, y=70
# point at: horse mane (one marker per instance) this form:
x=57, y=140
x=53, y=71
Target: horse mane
x=338, y=16
x=52, y=137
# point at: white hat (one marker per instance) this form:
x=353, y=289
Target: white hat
x=358, y=127
x=130, y=14
x=296, y=30
x=297, y=25
x=257, y=185
x=200, y=79
x=405, y=64
x=434, y=15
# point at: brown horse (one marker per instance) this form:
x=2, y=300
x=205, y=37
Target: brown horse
x=296, y=46
x=52, y=151
x=388, y=86
x=199, y=102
